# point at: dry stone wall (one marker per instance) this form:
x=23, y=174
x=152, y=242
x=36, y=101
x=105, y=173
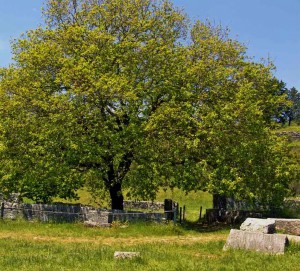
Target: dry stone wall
x=71, y=213
x=135, y=216
x=291, y=134
x=43, y=212
x=149, y=205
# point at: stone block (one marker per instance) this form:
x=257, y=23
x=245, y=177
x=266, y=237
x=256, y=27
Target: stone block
x=259, y=225
x=97, y=216
x=288, y=226
x=293, y=238
x=256, y=241
x=93, y=224
x=126, y=255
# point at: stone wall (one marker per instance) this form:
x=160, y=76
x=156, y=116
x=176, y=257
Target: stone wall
x=237, y=212
x=230, y=216
x=42, y=212
x=150, y=205
x=71, y=213
x=291, y=134
x=135, y=216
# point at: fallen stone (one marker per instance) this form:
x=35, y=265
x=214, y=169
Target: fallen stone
x=258, y=225
x=293, y=238
x=288, y=226
x=256, y=241
x=126, y=255
x=96, y=224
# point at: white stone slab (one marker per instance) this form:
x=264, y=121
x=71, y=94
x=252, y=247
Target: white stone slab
x=293, y=238
x=96, y=224
x=256, y=241
x=258, y=225
x=126, y=255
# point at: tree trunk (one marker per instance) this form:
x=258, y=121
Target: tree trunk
x=115, y=184
x=116, y=196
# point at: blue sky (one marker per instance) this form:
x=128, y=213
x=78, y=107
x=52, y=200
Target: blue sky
x=269, y=28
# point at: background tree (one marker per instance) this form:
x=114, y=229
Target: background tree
x=111, y=94
x=281, y=114
x=290, y=109
x=293, y=111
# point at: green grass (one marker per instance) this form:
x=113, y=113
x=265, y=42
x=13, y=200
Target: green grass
x=37, y=246
x=85, y=198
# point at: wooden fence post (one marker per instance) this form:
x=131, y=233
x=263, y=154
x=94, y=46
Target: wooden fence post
x=2, y=210
x=180, y=215
x=200, y=215
x=174, y=216
x=168, y=208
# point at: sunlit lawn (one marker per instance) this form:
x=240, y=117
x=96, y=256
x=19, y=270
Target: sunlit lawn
x=37, y=246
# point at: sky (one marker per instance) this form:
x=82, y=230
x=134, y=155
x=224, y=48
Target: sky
x=268, y=28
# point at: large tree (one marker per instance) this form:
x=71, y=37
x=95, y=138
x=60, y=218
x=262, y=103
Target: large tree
x=118, y=93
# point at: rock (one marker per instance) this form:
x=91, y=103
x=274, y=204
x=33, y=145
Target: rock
x=256, y=241
x=258, y=225
x=288, y=226
x=293, y=238
x=126, y=255
x=96, y=215
x=96, y=224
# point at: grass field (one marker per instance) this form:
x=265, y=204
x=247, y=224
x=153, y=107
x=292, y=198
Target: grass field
x=37, y=246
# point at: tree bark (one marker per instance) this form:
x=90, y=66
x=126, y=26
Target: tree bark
x=116, y=196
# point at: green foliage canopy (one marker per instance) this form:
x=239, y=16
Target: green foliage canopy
x=116, y=94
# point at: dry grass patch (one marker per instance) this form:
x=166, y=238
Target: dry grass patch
x=128, y=241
